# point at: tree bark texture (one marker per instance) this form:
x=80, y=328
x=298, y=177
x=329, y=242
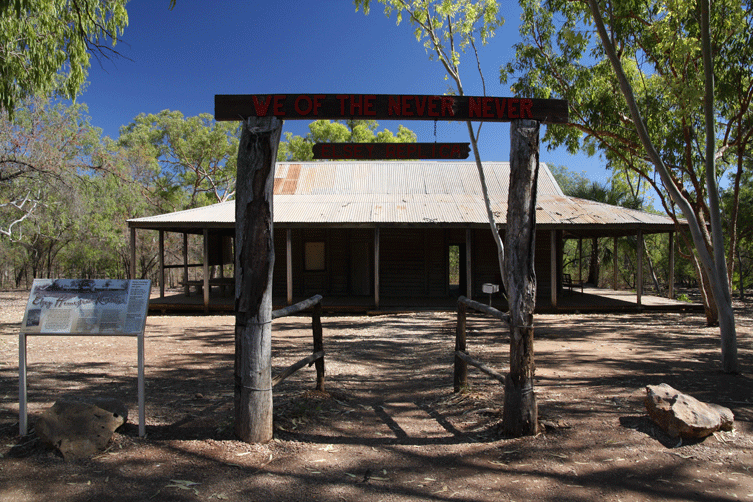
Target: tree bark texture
x=254, y=259
x=520, y=413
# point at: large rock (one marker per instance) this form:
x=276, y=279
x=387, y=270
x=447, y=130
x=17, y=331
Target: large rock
x=77, y=429
x=680, y=415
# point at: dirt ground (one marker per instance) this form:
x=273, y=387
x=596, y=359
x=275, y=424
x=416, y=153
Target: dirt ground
x=390, y=428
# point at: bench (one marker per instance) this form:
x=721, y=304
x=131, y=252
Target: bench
x=567, y=282
x=198, y=285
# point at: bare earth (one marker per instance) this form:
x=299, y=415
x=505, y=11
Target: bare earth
x=390, y=427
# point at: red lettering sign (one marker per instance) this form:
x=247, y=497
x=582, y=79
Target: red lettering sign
x=394, y=107
x=393, y=151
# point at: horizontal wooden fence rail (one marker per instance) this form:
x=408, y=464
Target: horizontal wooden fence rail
x=462, y=359
x=297, y=307
x=486, y=309
x=316, y=327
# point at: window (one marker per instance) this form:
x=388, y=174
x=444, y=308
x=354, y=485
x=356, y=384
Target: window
x=314, y=256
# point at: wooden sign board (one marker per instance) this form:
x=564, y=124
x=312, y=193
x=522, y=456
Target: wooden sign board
x=379, y=151
x=84, y=307
x=388, y=107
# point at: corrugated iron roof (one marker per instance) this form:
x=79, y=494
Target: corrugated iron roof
x=409, y=193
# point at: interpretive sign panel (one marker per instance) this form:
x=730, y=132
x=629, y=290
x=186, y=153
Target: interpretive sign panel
x=84, y=307
x=391, y=150
x=388, y=107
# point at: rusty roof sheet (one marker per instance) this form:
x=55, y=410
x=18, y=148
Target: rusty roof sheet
x=409, y=193
x=330, y=178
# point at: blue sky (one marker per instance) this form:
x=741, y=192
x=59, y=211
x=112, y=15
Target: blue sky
x=180, y=59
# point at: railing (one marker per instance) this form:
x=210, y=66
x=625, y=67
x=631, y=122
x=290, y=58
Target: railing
x=462, y=359
x=316, y=327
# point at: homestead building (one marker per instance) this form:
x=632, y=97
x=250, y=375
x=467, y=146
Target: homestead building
x=379, y=235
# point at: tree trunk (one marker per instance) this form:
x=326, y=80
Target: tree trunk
x=520, y=413
x=651, y=269
x=254, y=258
x=740, y=274
x=594, y=263
x=711, y=258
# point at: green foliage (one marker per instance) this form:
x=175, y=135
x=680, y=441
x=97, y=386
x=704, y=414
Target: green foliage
x=186, y=162
x=42, y=147
x=743, y=259
x=55, y=161
x=616, y=192
x=47, y=45
x=446, y=28
x=346, y=131
x=658, y=45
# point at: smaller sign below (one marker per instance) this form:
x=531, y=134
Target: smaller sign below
x=391, y=151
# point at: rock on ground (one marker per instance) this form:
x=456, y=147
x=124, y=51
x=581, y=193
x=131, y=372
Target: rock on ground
x=681, y=415
x=77, y=429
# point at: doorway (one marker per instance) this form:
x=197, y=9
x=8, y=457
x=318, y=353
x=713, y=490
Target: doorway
x=456, y=271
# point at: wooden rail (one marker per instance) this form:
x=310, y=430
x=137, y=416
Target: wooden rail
x=316, y=327
x=462, y=359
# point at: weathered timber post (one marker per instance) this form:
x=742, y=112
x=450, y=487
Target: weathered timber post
x=461, y=367
x=316, y=328
x=254, y=263
x=520, y=413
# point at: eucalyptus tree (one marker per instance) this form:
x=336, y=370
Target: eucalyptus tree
x=448, y=29
x=190, y=161
x=46, y=46
x=44, y=146
x=644, y=90
x=350, y=131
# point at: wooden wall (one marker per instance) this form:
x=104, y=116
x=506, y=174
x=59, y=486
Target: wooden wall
x=413, y=262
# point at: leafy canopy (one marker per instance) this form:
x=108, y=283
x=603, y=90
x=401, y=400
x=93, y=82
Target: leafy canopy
x=345, y=131
x=46, y=45
x=191, y=157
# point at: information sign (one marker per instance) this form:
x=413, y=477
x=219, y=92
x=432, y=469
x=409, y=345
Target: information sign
x=84, y=307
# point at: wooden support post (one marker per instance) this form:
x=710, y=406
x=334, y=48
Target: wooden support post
x=639, y=279
x=376, y=267
x=186, y=287
x=468, y=268
x=553, y=276
x=580, y=263
x=520, y=412
x=133, y=252
x=671, y=279
x=161, y=263
x=254, y=264
x=614, y=266
x=289, y=264
x=461, y=367
x=206, y=270
x=316, y=328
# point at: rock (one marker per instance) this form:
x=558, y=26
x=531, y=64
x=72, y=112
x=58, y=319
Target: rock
x=111, y=404
x=682, y=415
x=77, y=429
